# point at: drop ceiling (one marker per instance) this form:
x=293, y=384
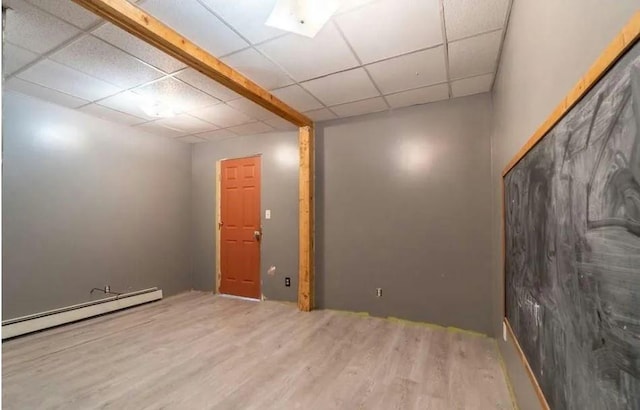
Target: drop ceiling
x=374, y=55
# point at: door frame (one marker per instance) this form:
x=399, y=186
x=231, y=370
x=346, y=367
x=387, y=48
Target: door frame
x=218, y=217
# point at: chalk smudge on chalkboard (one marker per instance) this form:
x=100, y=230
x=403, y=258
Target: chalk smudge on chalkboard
x=572, y=210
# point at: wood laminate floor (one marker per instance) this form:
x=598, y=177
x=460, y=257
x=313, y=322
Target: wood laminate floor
x=199, y=351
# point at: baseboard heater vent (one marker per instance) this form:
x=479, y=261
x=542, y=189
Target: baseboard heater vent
x=31, y=323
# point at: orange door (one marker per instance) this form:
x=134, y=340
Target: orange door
x=240, y=227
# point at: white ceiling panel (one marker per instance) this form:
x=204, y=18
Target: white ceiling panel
x=191, y=139
x=209, y=86
x=138, y=48
x=360, y=107
x=14, y=58
x=186, y=123
x=252, y=109
x=281, y=125
x=33, y=29
x=410, y=71
x=195, y=22
x=464, y=18
x=349, y=5
x=128, y=102
x=297, y=97
x=176, y=94
x=43, y=93
x=247, y=16
x=222, y=115
x=252, y=128
x=160, y=130
x=342, y=87
x=68, y=11
x=258, y=68
x=473, y=85
x=320, y=115
x=217, y=135
x=419, y=96
x=67, y=80
x=102, y=60
x=111, y=115
x=306, y=58
x=475, y=55
x=387, y=28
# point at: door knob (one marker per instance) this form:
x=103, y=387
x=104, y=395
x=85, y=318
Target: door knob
x=257, y=235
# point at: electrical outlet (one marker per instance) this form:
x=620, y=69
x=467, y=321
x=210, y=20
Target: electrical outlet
x=107, y=289
x=379, y=292
x=287, y=281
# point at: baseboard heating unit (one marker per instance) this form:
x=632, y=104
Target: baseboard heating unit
x=38, y=321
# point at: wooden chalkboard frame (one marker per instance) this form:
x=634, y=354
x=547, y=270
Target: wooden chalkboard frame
x=628, y=37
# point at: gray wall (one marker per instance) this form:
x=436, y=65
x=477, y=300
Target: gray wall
x=549, y=46
x=88, y=203
x=403, y=203
x=279, y=194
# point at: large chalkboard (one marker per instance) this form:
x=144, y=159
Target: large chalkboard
x=572, y=249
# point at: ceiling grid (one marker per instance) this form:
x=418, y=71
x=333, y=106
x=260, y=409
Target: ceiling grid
x=373, y=55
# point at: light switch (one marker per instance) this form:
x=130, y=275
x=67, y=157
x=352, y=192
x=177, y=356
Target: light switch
x=267, y=214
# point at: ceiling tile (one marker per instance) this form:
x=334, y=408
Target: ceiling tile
x=187, y=123
x=209, y=86
x=68, y=11
x=464, y=18
x=410, y=71
x=475, y=55
x=101, y=60
x=128, y=102
x=419, y=96
x=33, y=29
x=281, y=124
x=111, y=115
x=305, y=58
x=360, y=107
x=67, y=80
x=43, y=93
x=320, y=115
x=192, y=20
x=296, y=97
x=14, y=58
x=134, y=46
x=473, y=85
x=247, y=16
x=252, y=109
x=222, y=115
x=400, y=26
x=258, y=68
x=342, y=87
x=217, y=135
x=159, y=130
x=178, y=95
x=252, y=128
x=191, y=139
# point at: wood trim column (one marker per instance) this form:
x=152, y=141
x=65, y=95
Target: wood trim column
x=306, y=145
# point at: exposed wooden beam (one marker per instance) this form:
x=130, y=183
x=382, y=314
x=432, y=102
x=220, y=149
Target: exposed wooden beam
x=306, y=214
x=146, y=27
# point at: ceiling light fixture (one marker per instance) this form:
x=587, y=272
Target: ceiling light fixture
x=157, y=109
x=305, y=17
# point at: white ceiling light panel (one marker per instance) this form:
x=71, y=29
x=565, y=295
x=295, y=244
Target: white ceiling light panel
x=304, y=17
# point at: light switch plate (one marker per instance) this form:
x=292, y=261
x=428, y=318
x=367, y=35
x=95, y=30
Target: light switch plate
x=267, y=214
x=504, y=331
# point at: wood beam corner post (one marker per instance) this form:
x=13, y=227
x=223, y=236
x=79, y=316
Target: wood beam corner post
x=306, y=145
